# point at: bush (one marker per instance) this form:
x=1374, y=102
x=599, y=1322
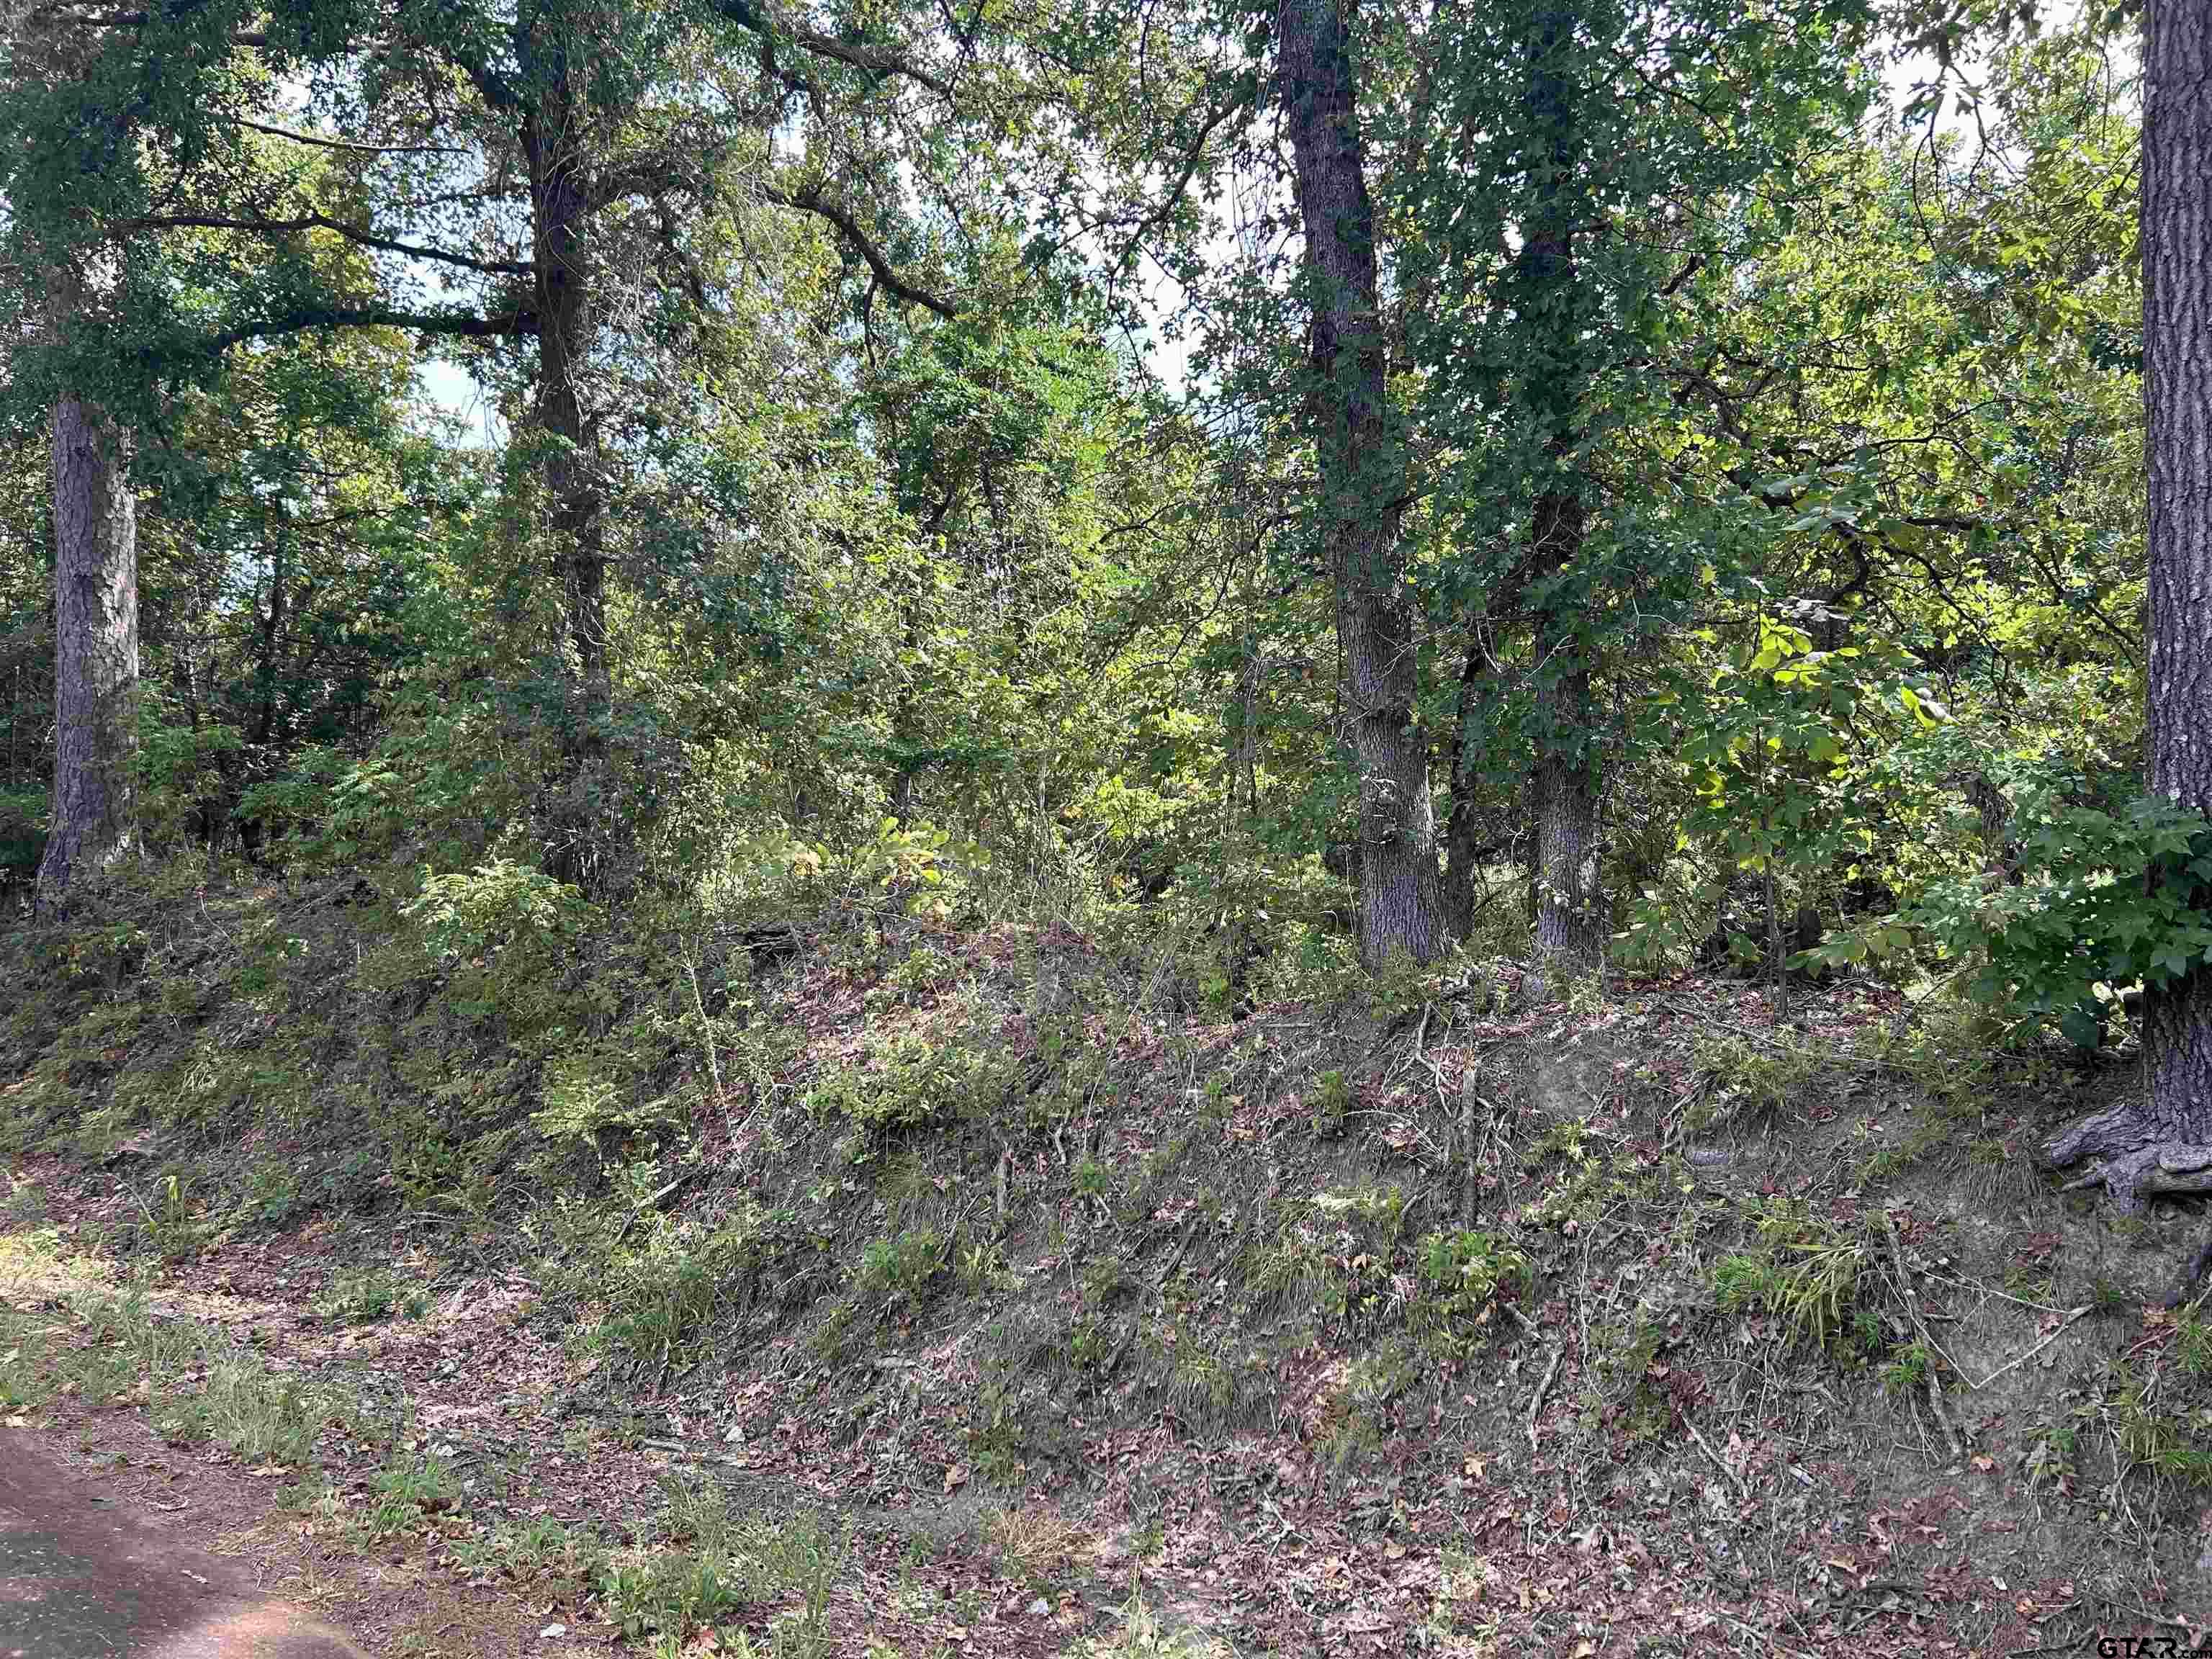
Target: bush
x=1806, y=1274
x=2104, y=900
x=1461, y=1272
x=914, y=1079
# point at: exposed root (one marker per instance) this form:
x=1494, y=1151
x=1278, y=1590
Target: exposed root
x=2131, y=1159
x=2131, y=1156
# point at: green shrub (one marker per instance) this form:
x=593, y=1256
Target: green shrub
x=1332, y=1103
x=903, y=1266
x=1461, y=1274
x=663, y=1291
x=2105, y=899
x=584, y=1107
x=367, y=1295
x=914, y=1079
x=1807, y=1273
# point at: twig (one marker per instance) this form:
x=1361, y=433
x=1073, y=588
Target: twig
x=1743, y=1489
x=1176, y=1259
x=1958, y=1441
x=1768, y=1636
x=713, y=1061
x=1984, y=1290
x=1543, y=1387
x=2057, y=1332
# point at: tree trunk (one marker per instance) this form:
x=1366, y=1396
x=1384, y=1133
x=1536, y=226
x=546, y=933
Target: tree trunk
x=1570, y=913
x=1363, y=481
x=560, y=208
x=2163, y=1142
x=95, y=650
x=1570, y=910
x=1463, y=852
x=272, y=628
x=581, y=825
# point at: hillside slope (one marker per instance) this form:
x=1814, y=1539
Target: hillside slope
x=869, y=1279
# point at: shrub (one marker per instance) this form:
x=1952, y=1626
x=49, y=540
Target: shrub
x=1806, y=1274
x=2104, y=900
x=1461, y=1273
x=914, y=1079
x=903, y=1265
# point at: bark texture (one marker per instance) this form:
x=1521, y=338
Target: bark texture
x=582, y=829
x=1363, y=482
x=1464, y=850
x=96, y=650
x=2162, y=1142
x=561, y=212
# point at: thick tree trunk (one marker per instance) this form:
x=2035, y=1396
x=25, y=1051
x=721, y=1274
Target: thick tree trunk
x=95, y=650
x=2163, y=1142
x=1363, y=480
x=581, y=824
x=560, y=208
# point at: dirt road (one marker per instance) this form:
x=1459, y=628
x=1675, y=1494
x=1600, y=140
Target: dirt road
x=80, y=1580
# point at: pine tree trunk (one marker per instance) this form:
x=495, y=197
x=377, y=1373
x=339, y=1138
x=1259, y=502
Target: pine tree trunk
x=1363, y=480
x=95, y=651
x=2164, y=1141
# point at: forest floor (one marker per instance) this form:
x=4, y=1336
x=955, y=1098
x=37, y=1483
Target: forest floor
x=1807, y=1358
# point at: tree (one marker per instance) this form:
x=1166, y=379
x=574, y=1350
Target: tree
x=95, y=647
x=1575, y=187
x=64, y=276
x=1563, y=794
x=2162, y=1142
x=1361, y=455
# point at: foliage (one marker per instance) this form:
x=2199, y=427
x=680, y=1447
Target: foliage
x=2104, y=900
x=1462, y=1273
x=914, y=1078
x=1806, y=1274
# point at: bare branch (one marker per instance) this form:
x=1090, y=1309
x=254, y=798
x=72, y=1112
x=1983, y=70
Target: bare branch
x=323, y=143
x=318, y=222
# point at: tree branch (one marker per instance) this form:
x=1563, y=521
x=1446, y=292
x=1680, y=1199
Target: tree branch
x=305, y=319
x=878, y=61
x=322, y=142
x=1240, y=96
x=318, y=222
x=809, y=200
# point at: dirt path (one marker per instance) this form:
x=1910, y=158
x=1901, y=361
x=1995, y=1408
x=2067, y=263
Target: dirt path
x=80, y=1577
